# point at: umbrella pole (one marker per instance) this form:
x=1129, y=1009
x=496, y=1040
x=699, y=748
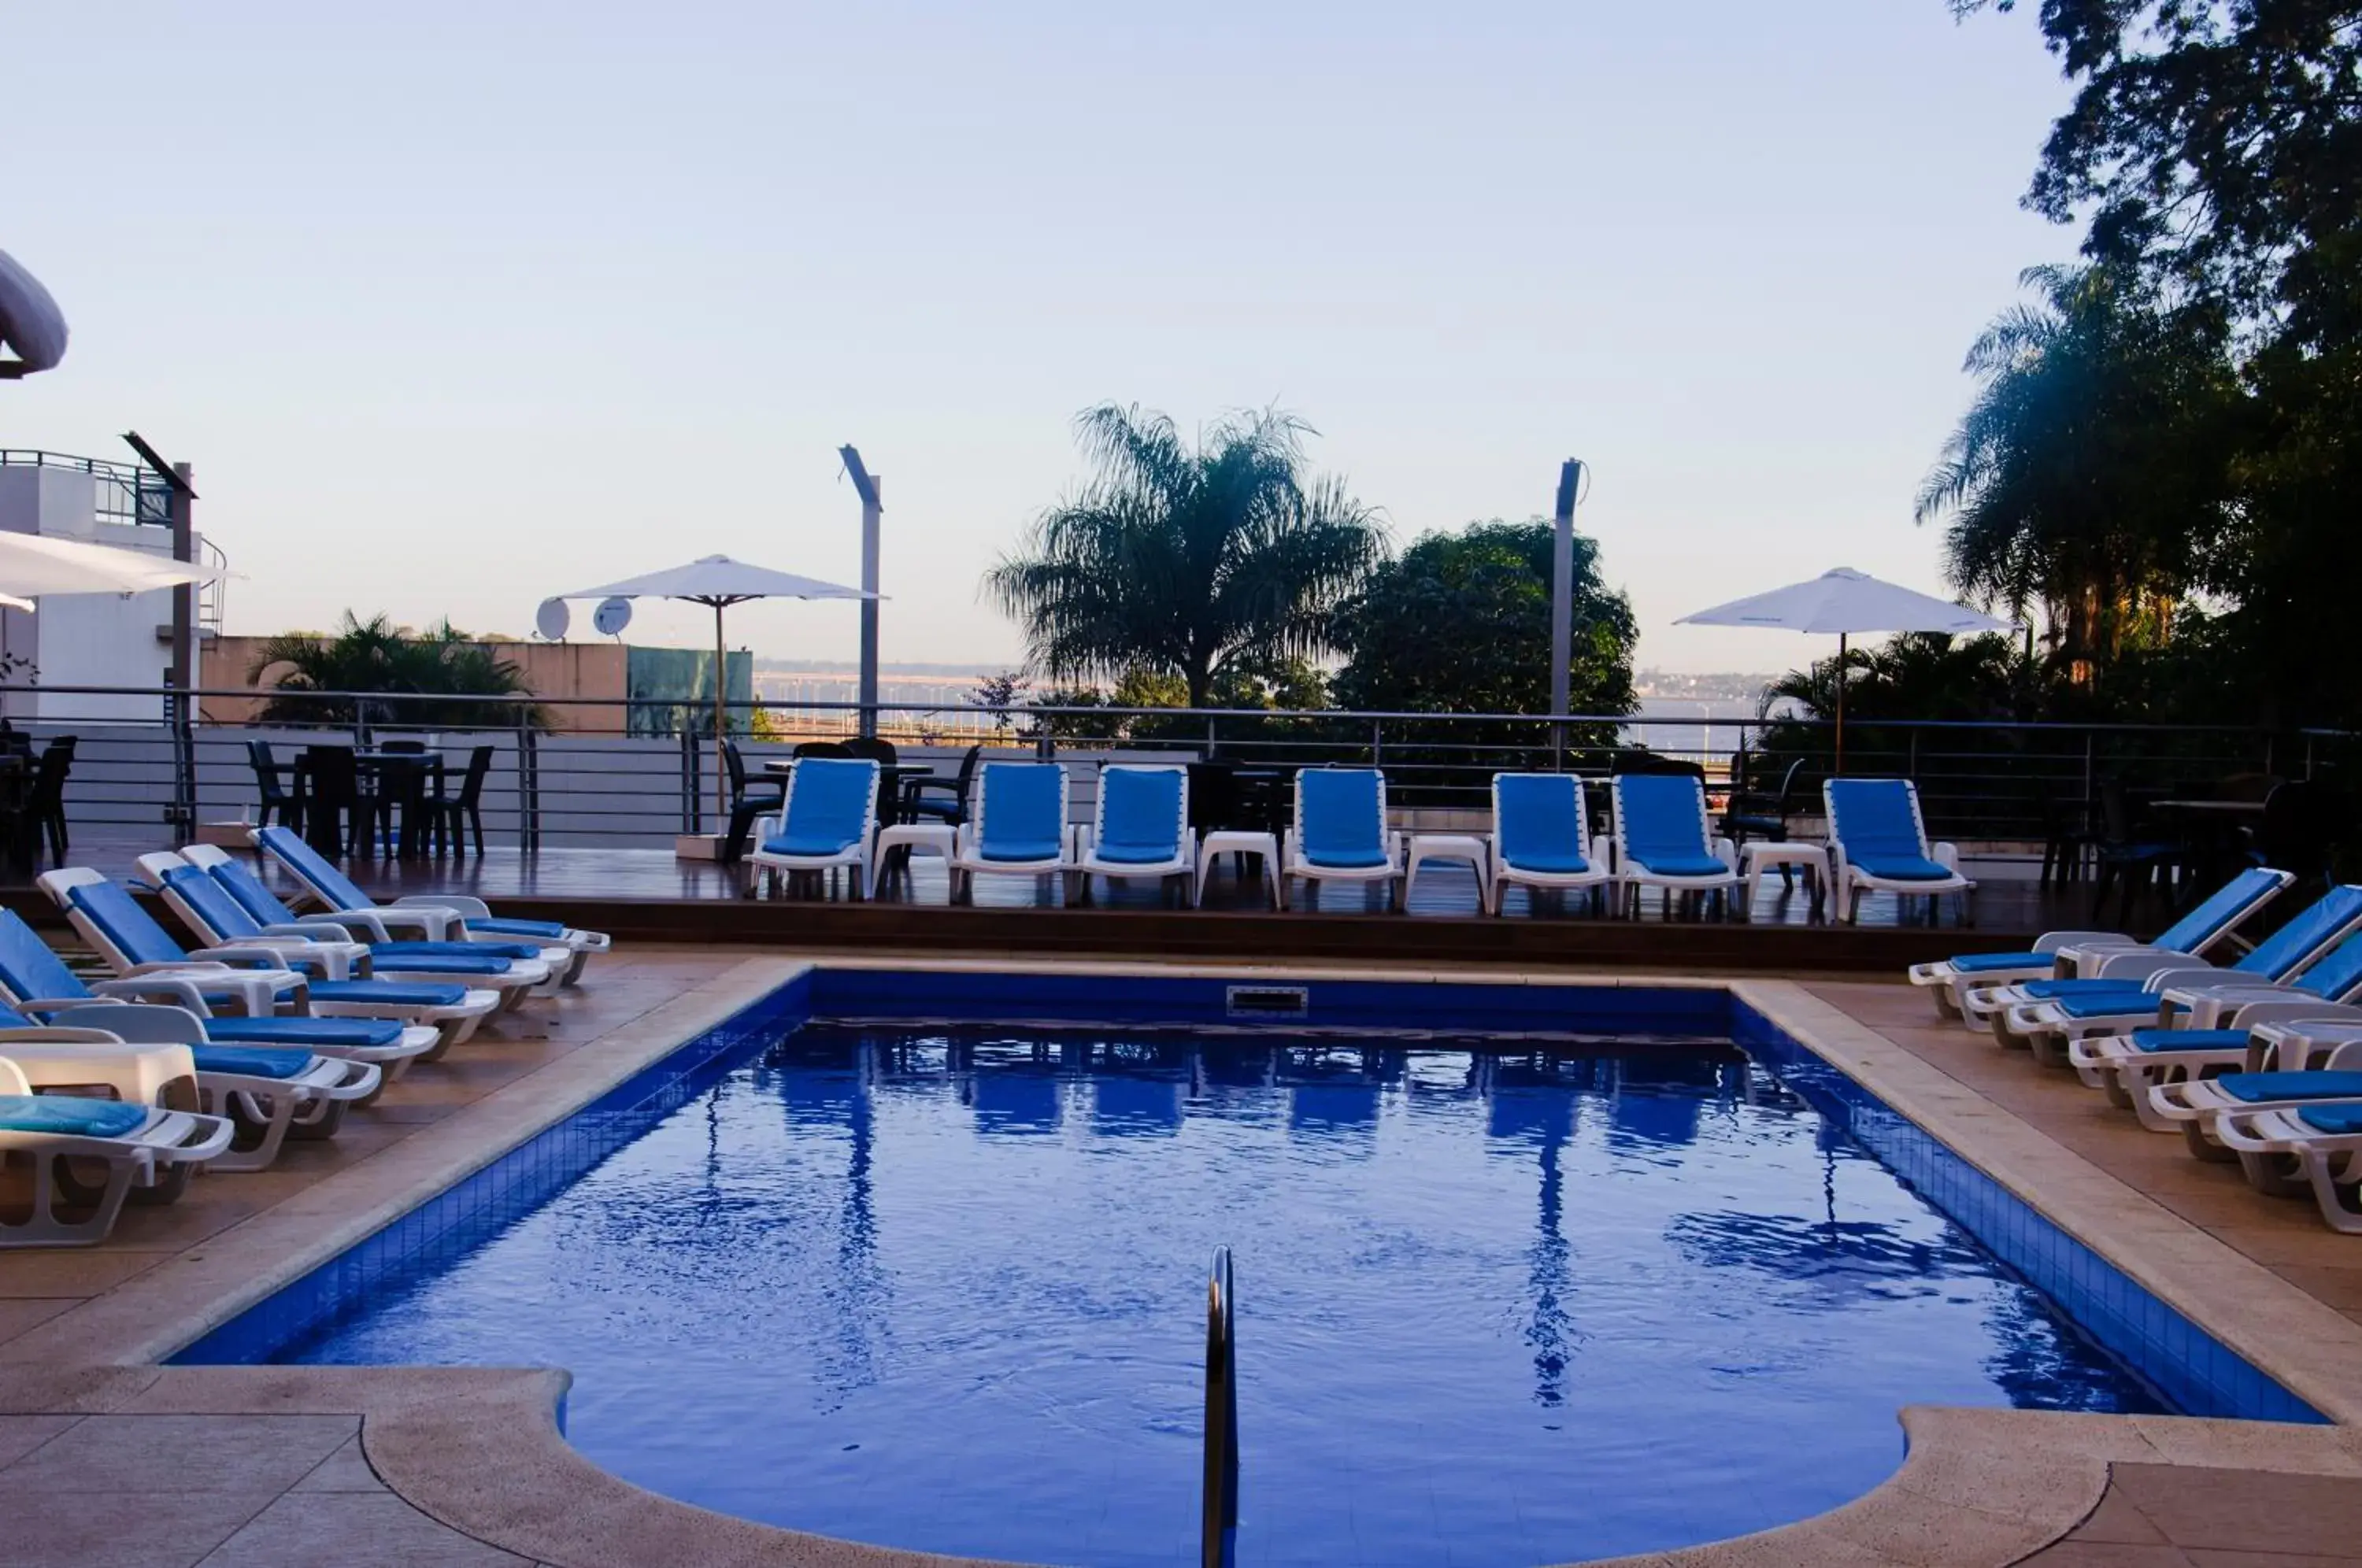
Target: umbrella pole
x=721, y=691
x=1841, y=686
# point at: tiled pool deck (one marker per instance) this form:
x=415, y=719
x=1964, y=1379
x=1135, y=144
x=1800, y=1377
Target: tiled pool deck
x=106, y=1458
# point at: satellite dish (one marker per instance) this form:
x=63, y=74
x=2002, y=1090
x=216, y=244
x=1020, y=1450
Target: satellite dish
x=612, y=616
x=551, y=619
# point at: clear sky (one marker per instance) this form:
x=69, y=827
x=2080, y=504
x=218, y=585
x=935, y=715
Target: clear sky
x=455, y=305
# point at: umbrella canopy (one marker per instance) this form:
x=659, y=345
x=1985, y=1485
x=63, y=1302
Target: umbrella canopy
x=35, y=564
x=1845, y=601
x=31, y=325
x=720, y=582
x=717, y=580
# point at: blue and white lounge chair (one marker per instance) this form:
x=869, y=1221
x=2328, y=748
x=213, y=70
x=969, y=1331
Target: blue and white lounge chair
x=1541, y=837
x=1340, y=831
x=1878, y=842
x=2200, y=1029
x=2281, y=967
x=2291, y=1062
x=138, y=1145
x=207, y=907
x=828, y=819
x=159, y=1055
x=135, y=946
x=34, y=980
x=2323, y=1142
x=1663, y=840
x=1140, y=827
x=1017, y=826
x=2215, y=919
x=270, y=915
x=2096, y=970
x=439, y=917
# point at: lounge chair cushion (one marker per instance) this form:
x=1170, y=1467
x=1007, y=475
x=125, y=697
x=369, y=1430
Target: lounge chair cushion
x=2255, y=1088
x=828, y=804
x=1878, y=826
x=228, y=920
x=1139, y=816
x=2223, y=908
x=1343, y=815
x=1541, y=821
x=1987, y=963
x=487, y=963
x=1662, y=821
x=2125, y=1003
x=334, y=888
x=2061, y=990
x=27, y=966
x=254, y=1061
x=2162, y=1041
x=381, y=951
x=1021, y=820
x=389, y=993
x=132, y=929
x=501, y=925
x=67, y=1116
x=316, y=1033
x=2332, y=1119
x=2324, y=919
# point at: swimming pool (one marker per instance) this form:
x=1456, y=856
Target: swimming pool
x=1513, y=1297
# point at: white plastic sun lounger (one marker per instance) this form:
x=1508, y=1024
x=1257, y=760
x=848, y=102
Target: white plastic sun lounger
x=1663, y=839
x=1339, y=833
x=1542, y=838
x=354, y=935
x=827, y=821
x=2322, y=1143
x=439, y=917
x=1878, y=842
x=2295, y=1062
x=135, y=1146
x=2061, y=954
x=2294, y=963
x=205, y=906
x=1017, y=826
x=1140, y=827
x=35, y=981
x=136, y=946
x=159, y=1055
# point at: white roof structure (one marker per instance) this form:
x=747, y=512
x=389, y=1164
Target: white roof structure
x=34, y=564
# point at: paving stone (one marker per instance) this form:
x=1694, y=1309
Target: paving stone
x=353, y=1531
x=257, y=1457
x=122, y=1529
x=2247, y=1511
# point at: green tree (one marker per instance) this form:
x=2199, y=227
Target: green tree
x=376, y=657
x=2091, y=476
x=1460, y=623
x=1182, y=559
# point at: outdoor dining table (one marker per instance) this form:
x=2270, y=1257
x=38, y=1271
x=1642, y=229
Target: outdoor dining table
x=2212, y=844
x=425, y=770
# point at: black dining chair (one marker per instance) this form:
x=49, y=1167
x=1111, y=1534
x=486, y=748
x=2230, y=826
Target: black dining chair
x=460, y=813
x=2303, y=820
x=869, y=748
x=44, y=816
x=1759, y=813
x=2130, y=852
x=346, y=812
x=276, y=797
x=949, y=803
x=750, y=798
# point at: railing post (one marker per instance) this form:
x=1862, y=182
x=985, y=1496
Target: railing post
x=528, y=746
x=1220, y=1531
x=1377, y=742
x=1911, y=761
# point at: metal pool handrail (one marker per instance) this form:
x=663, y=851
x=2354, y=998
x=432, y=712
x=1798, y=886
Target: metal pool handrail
x=1220, y=1536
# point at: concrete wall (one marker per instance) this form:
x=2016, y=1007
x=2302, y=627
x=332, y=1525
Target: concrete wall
x=553, y=671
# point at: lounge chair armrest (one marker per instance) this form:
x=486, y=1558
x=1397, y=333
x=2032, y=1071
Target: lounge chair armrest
x=2136, y=965
x=299, y=932
x=323, y=929
x=2238, y=1013
x=433, y=922
x=2052, y=941
x=181, y=990
x=1725, y=852
x=458, y=903
x=1603, y=851
x=58, y=1034
x=35, y=1005
x=1945, y=853
x=237, y=956
x=2184, y=975
x=186, y=965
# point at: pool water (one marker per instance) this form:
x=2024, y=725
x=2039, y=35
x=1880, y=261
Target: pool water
x=944, y=1288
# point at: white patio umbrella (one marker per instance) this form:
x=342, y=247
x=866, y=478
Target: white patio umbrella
x=720, y=582
x=1845, y=601
x=31, y=325
x=34, y=564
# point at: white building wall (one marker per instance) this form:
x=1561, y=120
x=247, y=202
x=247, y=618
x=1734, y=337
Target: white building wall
x=84, y=639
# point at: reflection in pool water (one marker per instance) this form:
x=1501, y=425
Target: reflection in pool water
x=943, y=1290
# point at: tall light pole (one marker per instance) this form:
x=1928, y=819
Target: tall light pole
x=867, y=484
x=1570, y=474
x=180, y=714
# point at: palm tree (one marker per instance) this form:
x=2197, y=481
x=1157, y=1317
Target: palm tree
x=1184, y=560
x=2088, y=476
x=375, y=656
